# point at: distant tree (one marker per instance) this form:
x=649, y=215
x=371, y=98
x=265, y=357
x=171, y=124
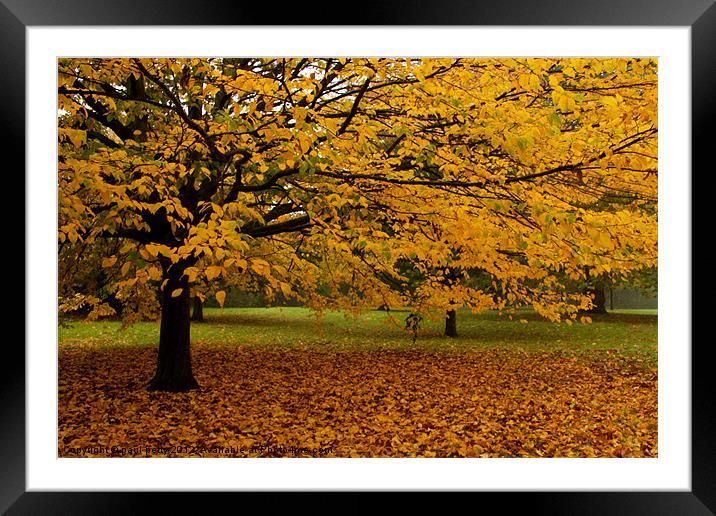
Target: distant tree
x=197, y=313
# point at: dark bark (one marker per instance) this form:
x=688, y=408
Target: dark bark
x=451, y=323
x=599, y=300
x=197, y=313
x=173, y=371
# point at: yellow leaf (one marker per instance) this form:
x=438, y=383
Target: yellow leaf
x=300, y=114
x=220, y=297
x=210, y=89
x=555, y=97
x=212, y=272
x=125, y=268
x=604, y=239
x=563, y=103
x=191, y=273
x=535, y=83
x=108, y=262
x=305, y=143
x=177, y=292
x=76, y=136
x=260, y=266
x=608, y=101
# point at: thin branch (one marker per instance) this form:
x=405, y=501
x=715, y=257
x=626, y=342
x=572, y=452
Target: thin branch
x=291, y=225
x=354, y=108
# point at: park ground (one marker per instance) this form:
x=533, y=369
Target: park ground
x=280, y=382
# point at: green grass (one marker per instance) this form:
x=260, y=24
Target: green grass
x=632, y=332
x=637, y=311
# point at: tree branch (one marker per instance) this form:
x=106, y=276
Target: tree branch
x=291, y=225
x=354, y=108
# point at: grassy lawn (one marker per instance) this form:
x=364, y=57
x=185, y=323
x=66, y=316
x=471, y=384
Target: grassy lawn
x=626, y=332
x=635, y=311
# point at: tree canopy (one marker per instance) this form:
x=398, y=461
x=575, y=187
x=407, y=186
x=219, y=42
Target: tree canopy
x=329, y=179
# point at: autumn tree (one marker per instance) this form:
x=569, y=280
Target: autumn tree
x=589, y=222
x=328, y=172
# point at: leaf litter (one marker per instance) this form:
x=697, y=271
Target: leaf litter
x=311, y=403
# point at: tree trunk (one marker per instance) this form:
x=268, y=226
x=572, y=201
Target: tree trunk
x=451, y=323
x=599, y=299
x=173, y=371
x=197, y=313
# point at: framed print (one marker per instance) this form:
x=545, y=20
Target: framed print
x=638, y=476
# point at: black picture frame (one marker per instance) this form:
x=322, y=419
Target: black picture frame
x=699, y=15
